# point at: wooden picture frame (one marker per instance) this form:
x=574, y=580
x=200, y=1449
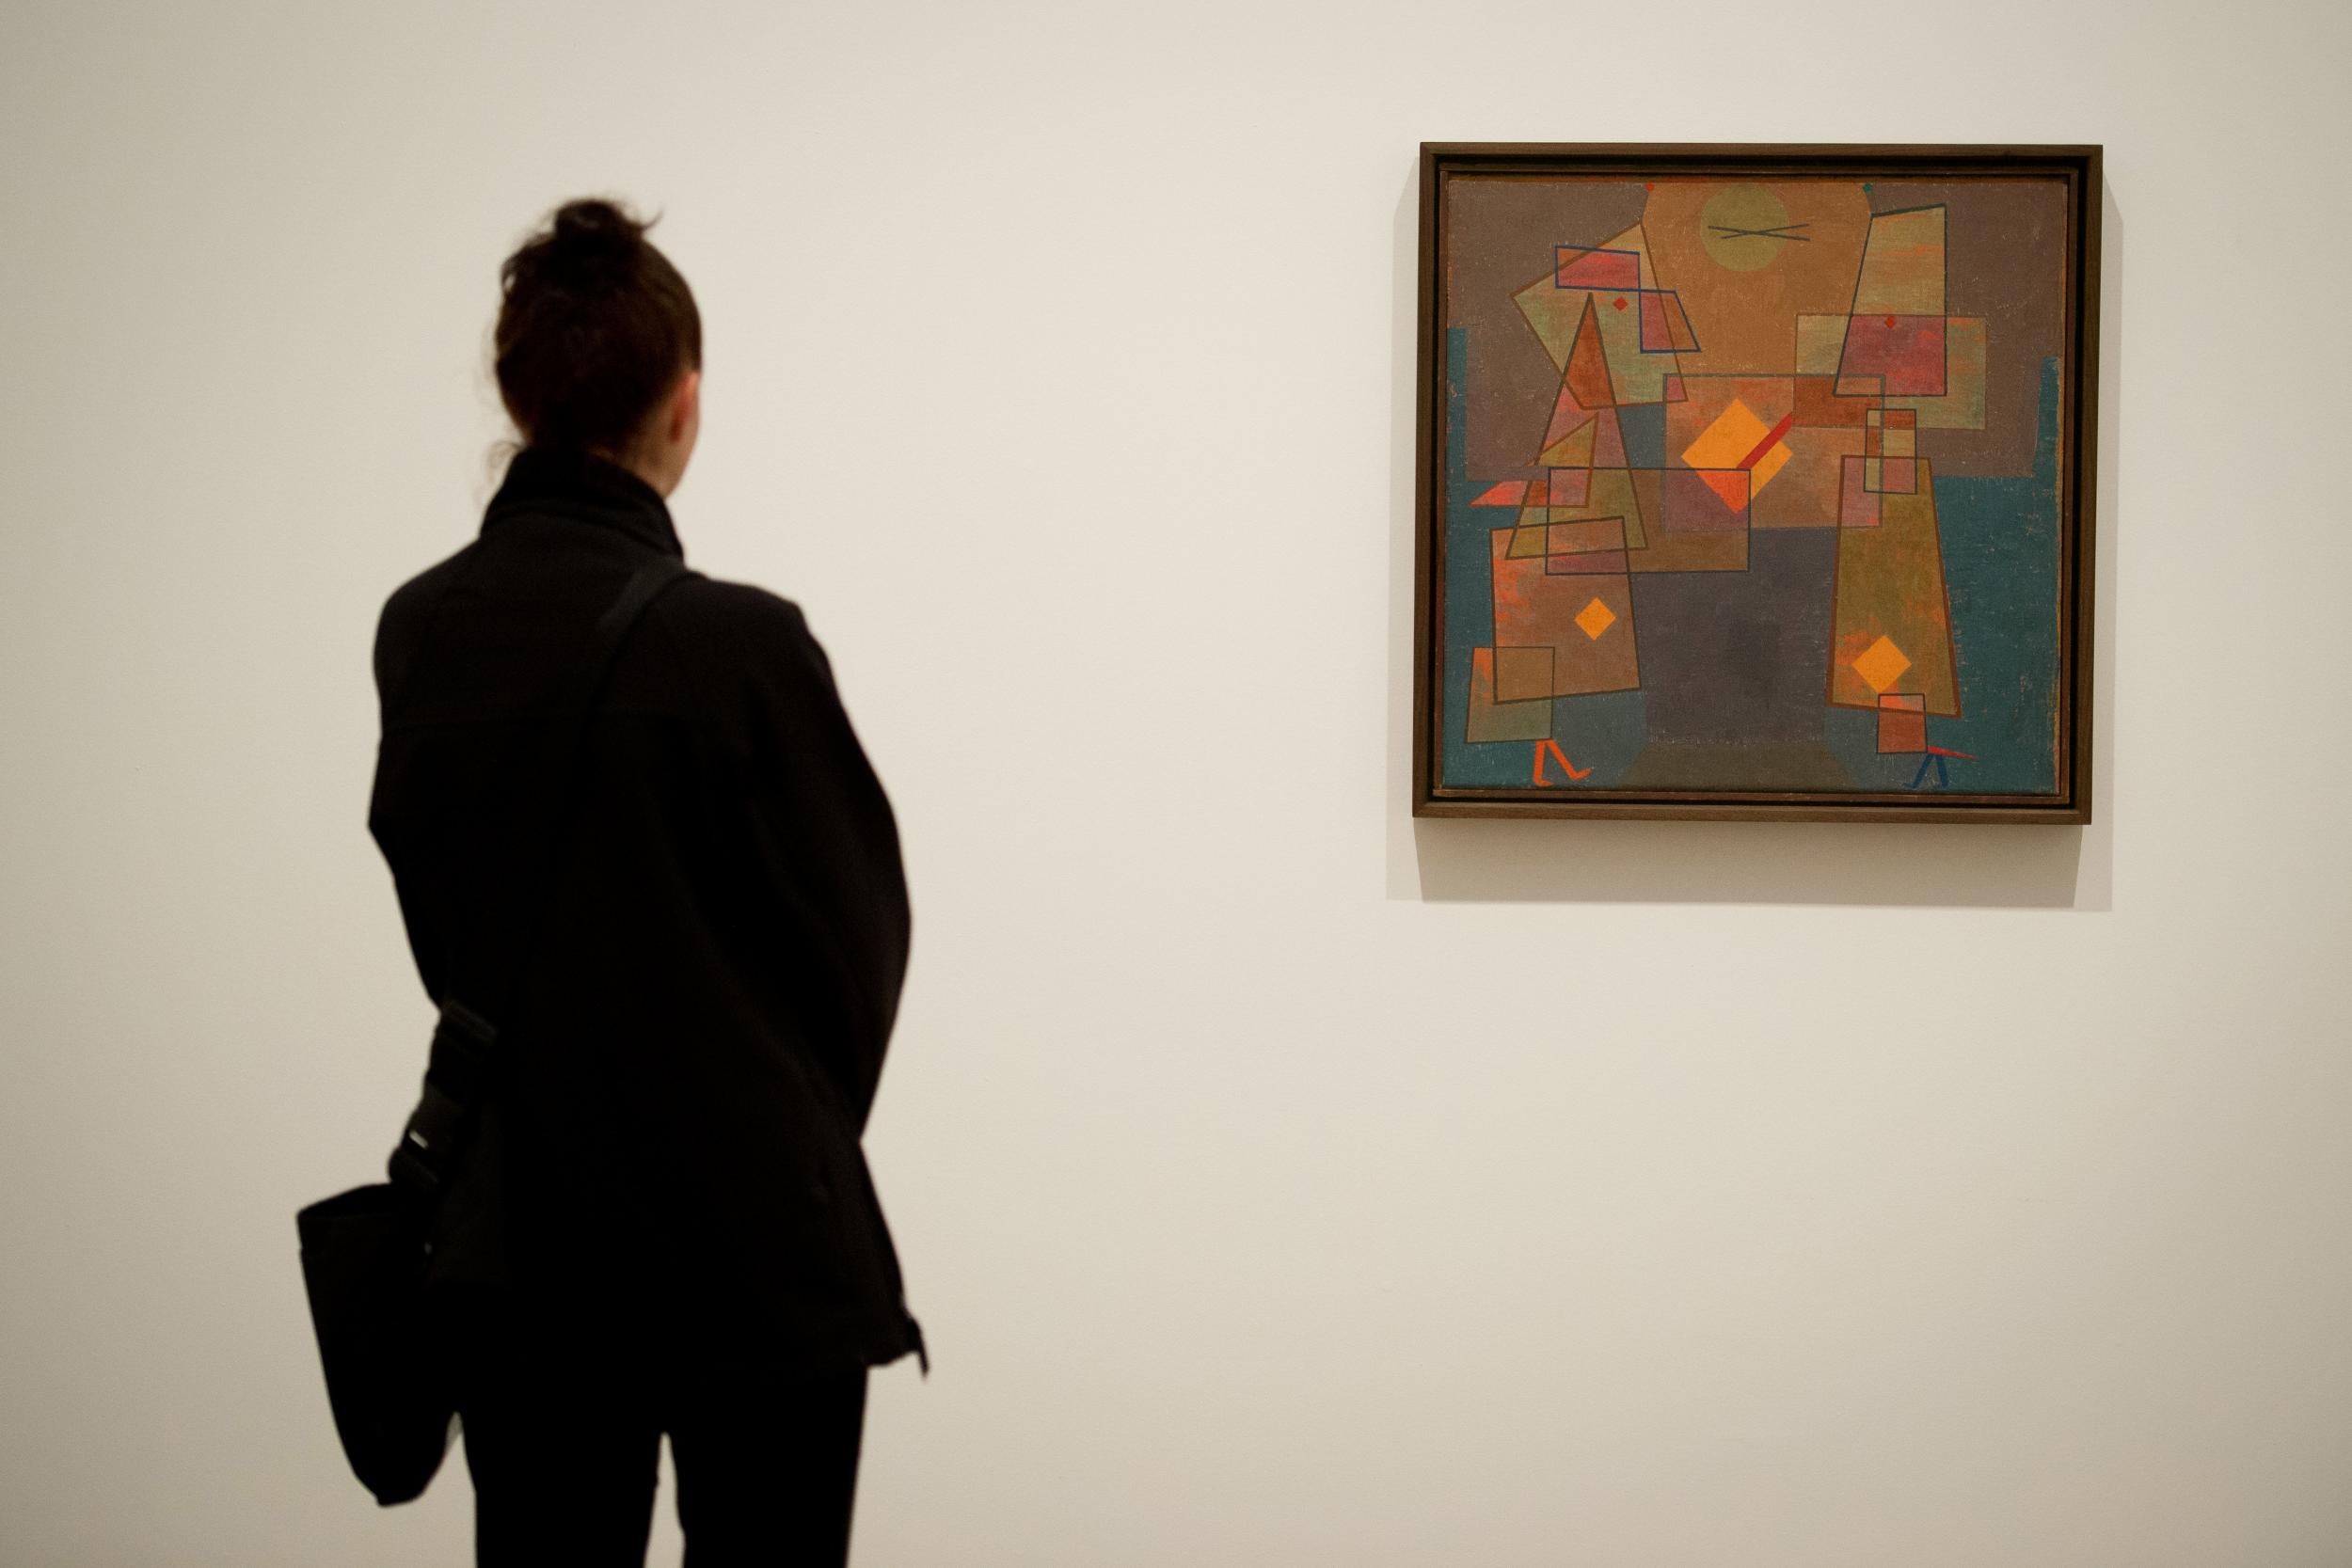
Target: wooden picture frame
x=1882, y=316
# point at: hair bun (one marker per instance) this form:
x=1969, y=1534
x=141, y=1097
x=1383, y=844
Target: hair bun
x=596, y=222
x=586, y=243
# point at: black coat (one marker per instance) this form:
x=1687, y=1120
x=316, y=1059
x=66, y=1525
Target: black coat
x=690, y=1059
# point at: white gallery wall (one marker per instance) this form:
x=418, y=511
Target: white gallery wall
x=1281, y=1182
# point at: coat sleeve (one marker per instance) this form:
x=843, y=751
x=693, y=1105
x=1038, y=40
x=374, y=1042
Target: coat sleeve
x=399, y=629
x=828, y=847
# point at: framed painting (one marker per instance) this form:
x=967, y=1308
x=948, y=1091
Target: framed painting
x=1756, y=482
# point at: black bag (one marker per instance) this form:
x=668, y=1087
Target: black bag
x=366, y=1252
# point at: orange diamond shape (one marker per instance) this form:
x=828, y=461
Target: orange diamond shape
x=1880, y=663
x=1725, y=447
x=1727, y=442
x=1595, y=618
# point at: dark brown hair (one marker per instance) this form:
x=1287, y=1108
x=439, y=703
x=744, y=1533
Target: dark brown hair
x=594, y=328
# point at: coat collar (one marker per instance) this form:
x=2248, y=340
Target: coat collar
x=594, y=489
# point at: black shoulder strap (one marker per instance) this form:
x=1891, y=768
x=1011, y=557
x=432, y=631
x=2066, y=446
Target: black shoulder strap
x=462, y=1039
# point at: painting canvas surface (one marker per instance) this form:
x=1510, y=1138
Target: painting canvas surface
x=1752, y=484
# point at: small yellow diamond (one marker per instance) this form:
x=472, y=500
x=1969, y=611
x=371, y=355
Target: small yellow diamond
x=1880, y=663
x=1595, y=618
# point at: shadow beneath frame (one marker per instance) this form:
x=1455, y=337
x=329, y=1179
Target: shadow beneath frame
x=1447, y=859
x=1747, y=863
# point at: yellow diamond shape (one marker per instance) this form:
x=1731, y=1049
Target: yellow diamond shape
x=1723, y=448
x=1729, y=439
x=1595, y=618
x=1880, y=663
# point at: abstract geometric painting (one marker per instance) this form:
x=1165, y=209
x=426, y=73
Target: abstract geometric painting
x=1756, y=482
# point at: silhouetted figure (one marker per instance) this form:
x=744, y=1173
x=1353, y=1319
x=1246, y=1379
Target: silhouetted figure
x=687, y=1237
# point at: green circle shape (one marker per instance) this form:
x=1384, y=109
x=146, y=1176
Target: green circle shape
x=1742, y=206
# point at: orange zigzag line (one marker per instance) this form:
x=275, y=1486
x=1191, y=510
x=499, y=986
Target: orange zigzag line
x=1547, y=744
